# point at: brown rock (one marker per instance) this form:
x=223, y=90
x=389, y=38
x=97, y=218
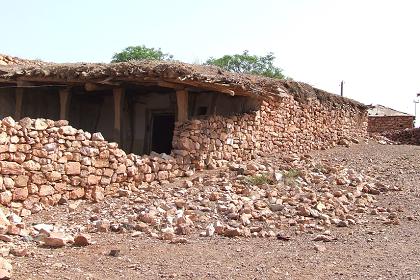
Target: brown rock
x=20, y=194
x=46, y=190
x=93, y=179
x=5, y=238
x=5, y=197
x=3, y=219
x=40, y=124
x=319, y=248
x=10, y=168
x=98, y=194
x=82, y=240
x=77, y=193
x=13, y=230
x=21, y=181
x=232, y=232
x=323, y=237
x=68, y=130
x=31, y=165
x=55, y=240
x=163, y=175
x=19, y=252
x=72, y=168
x=97, y=137
x=5, y=269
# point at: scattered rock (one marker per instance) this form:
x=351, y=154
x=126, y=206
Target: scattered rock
x=82, y=240
x=114, y=252
x=320, y=248
x=5, y=269
x=324, y=238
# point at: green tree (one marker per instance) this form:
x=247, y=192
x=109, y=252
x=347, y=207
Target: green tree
x=139, y=53
x=249, y=64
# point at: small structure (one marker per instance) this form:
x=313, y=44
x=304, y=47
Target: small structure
x=383, y=119
x=193, y=116
x=199, y=112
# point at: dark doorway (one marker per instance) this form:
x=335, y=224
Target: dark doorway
x=162, y=132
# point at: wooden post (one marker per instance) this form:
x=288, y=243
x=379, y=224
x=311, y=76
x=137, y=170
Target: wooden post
x=64, y=103
x=182, y=102
x=19, y=99
x=118, y=102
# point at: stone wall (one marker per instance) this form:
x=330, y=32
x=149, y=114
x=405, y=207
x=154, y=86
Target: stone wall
x=378, y=124
x=406, y=136
x=43, y=162
x=283, y=125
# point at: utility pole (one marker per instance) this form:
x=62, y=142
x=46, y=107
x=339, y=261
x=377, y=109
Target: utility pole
x=415, y=110
x=342, y=86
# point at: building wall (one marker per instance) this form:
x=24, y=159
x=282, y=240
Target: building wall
x=43, y=161
x=278, y=127
x=378, y=124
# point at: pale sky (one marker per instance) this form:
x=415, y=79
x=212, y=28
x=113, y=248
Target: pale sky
x=373, y=45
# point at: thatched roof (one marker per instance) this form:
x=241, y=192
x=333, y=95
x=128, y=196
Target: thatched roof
x=168, y=74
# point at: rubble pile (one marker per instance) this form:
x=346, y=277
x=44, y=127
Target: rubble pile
x=265, y=197
x=251, y=200
x=257, y=199
x=406, y=136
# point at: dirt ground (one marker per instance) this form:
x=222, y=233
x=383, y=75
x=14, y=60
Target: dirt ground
x=370, y=251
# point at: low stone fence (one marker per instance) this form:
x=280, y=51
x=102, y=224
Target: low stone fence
x=280, y=126
x=45, y=161
x=389, y=123
x=407, y=136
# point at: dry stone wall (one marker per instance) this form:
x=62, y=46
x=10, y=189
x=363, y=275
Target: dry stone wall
x=43, y=162
x=280, y=126
x=389, y=123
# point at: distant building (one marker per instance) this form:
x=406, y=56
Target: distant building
x=381, y=119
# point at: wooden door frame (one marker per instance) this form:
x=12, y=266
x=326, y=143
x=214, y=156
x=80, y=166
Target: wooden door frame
x=149, y=126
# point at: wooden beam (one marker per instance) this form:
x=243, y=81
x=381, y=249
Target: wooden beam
x=95, y=87
x=118, y=102
x=213, y=102
x=170, y=85
x=19, y=99
x=208, y=86
x=65, y=97
x=182, y=105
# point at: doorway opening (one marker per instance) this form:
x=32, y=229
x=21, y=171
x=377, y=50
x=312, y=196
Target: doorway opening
x=163, y=126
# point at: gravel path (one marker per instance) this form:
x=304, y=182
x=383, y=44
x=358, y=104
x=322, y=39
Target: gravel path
x=371, y=251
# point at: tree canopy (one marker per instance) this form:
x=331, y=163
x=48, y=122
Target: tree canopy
x=249, y=64
x=139, y=53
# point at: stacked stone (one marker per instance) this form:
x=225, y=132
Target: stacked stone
x=6, y=60
x=406, y=136
x=43, y=162
x=381, y=124
x=279, y=126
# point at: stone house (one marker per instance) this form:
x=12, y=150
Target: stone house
x=150, y=106
x=384, y=119
x=192, y=116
